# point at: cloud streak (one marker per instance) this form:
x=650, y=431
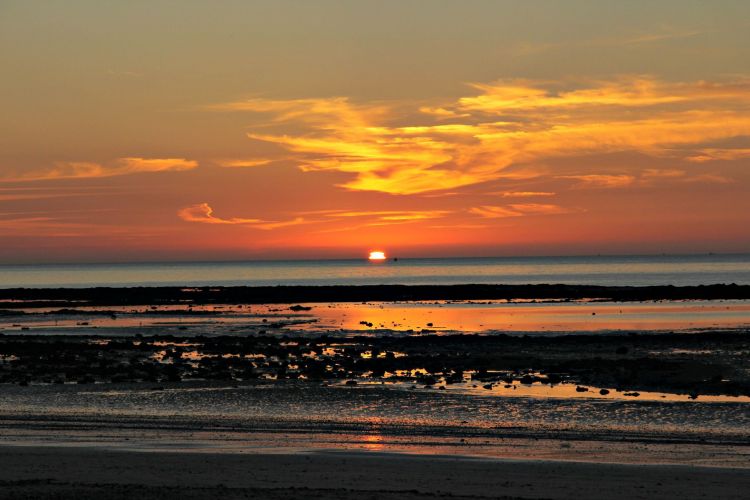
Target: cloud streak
x=518, y=210
x=89, y=170
x=389, y=215
x=525, y=194
x=204, y=213
x=600, y=180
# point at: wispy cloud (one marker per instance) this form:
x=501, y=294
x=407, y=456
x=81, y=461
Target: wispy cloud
x=716, y=154
x=644, y=39
x=203, y=213
x=42, y=226
x=600, y=180
x=662, y=173
x=663, y=35
x=243, y=163
x=514, y=95
x=392, y=215
x=708, y=178
x=476, y=138
x=33, y=196
x=311, y=111
x=86, y=170
x=517, y=210
x=524, y=194
x=55, y=223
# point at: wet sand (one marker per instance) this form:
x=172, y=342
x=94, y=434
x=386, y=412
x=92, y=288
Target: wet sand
x=271, y=410
x=88, y=473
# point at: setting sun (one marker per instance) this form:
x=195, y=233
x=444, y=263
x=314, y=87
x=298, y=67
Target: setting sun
x=376, y=255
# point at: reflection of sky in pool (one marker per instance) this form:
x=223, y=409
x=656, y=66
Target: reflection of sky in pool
x=400, y=316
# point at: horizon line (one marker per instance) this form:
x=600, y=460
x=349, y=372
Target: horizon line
x=364, y=259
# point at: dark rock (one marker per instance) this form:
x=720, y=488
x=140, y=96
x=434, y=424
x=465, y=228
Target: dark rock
x=299, y=307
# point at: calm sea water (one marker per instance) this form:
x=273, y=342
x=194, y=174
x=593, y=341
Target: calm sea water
x=595, y=270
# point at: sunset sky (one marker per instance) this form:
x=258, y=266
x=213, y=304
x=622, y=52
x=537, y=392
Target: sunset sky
x=156, y=130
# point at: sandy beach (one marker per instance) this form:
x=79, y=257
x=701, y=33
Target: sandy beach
x=396, y=249
x=87, y=473
x=204, y=399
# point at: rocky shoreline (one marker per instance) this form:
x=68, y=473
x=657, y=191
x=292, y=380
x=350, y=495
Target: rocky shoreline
x=694, y=364
x=16, y=298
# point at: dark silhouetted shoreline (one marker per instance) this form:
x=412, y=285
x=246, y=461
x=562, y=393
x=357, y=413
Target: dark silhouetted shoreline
x=123, y=296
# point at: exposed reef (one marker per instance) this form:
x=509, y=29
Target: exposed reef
x=709, y=363
x=62, y=297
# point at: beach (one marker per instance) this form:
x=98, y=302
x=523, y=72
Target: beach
x=89, y=473
x=526, y=392
x=404, y=249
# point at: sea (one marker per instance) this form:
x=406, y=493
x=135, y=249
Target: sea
x=628, y=270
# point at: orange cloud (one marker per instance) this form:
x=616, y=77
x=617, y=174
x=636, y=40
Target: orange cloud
x=601, y=181
x=715, y=154
x=519, y=95
x=35, y=196
x=706, y=178
x=312, y=111
x=517, y=210
x=239, y=163
x=56, y=223
x=524, y=194
x=662, y=36
x=509, y=123
x=660, y=173
x=394, y=215
x=632, y=92
x=121, y=166
x=203, y=213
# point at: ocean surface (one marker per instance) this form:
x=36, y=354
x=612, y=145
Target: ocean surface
x=591, y=270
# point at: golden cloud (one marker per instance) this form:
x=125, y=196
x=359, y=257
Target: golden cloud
x=121, y=166
x=524, y=194
x=393, y=215
x=204, y=213
x=476, y=138
x=600, y=180
x=517, y=210
x=716, y=154
x=240, y=163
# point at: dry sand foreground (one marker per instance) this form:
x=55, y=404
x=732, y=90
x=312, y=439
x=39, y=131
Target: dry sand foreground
x=88, y=473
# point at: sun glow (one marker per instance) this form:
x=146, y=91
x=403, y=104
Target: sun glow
x=376, y=255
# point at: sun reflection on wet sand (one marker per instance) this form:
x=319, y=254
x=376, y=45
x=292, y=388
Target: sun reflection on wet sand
x=503, y=316
x=432, y=317
x=373, y=442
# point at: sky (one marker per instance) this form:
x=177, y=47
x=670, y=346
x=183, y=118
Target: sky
x=185, y=130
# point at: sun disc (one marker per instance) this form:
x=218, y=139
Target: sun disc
x=377, y=255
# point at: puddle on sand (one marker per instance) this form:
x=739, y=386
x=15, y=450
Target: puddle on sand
x=374, y=317
x=532, y=316
x=544, y=391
